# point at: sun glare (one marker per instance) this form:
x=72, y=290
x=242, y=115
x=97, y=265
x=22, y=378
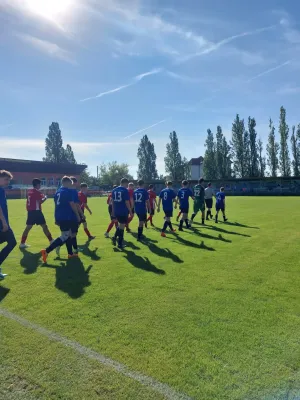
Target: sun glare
x=49, y=8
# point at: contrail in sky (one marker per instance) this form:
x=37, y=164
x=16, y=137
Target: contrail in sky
x=145, y=129
x=269, y=70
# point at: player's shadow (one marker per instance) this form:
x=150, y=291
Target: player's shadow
x=30, y=261
x=221, y=230
x=145, y=239
x=206, y=236
x=185, y=242
x=86, y=251
x=241, y=225
x=3, y=292
x=142, y=263
x=132, y=246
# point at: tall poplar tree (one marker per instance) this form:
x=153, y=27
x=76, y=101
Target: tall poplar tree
x=272, y=150
x=284, y=157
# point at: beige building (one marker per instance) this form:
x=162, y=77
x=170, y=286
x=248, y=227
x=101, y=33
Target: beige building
x=196, y=165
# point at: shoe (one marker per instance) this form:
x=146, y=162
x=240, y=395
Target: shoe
x=2, y=276
x=24, y=246
x=74, y=255
x=128, y=230
x=173, y=230
x=180, y=229
x=225, y=219
x=57, y=250
x=203, y=223
x=216, y=221
x=152, y=224
x=44, y=256
x=163, y=234
x=92, y=237
x=122, y=247
x=106, y=234
x=211, y=217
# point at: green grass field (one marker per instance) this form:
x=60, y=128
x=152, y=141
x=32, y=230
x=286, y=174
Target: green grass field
x=214, y=313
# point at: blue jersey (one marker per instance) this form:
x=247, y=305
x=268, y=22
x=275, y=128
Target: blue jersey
x=220, y=203
x=183, y=195
x=167, y=195
x=63, y=209
x=75, y=195
x=140, y=197
x=119, y=197
x=3, y=205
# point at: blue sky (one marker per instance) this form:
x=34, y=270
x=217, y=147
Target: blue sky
x=107, y=70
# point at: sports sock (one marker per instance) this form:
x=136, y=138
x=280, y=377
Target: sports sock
x=181, y=224
x=110, y=226
x=49, y=237
x=69, y=246
x=170, y=225
x=121, y=237
x=23, y=240
x=87, y=232
x=150, y=219
x=193, y=216
x=140, y=231
x=74, y=243
x=179, y=214
x=166, y=223
x=57, y=243
x=187, y=223
x=117, y=232
x=207, y=214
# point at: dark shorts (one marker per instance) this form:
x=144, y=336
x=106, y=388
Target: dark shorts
x=35, y=217
x=168, y=214
x=209, y=203
x=8, y=237
x=122, y=219
x=66, y=226
x=184, y=210
x=142, y=217
x=220, y=208
x=152, y=211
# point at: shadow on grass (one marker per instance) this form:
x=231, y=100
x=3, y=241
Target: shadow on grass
x=71, y=277
x=241, y=225
x=221, y=230
x=142, y=263
x=185, y=242
x=206, y=236
x=3, y=292
x=86, y=251
x=30, y=261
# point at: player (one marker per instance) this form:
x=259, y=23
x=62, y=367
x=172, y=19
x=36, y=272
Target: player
x=67, y=218
x=82, y=195
x=153, y=204
x=121, y=207
x=167, y=197
x=199, y=204
x=220, y=204
x=34, y=202
x=113, y=221
x=6, y=234
x=131, y=192
x=209, y=201
x=183, y=197
x=82, y=217
x=141, y=205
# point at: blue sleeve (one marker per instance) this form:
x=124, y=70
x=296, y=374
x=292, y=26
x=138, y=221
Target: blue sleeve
x=191, y=193
x=174, y=195
x=75, y=196
x=161, y=195
x=126, y=195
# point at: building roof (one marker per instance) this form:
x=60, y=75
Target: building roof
x=196, y=161
x=40, y=167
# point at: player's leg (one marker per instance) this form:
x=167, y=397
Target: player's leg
x=142, y=221
x=217, y=215
x=196, y=209
x=203, y=213
x=224, y=216
x=8, y=238
x=119, y=235
x=165, y=225
x=183, y=218
x=25, y=234
x=150, y=218
x=112, y=223
x=58, y=242
x=178, y=216
x=129, y=220
x=47, y=232
x=87, y=232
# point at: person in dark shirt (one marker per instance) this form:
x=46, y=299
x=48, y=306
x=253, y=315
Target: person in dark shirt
x=167, y=197
x=220, y=204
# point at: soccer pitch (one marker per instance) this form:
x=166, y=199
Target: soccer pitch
x=209, y=314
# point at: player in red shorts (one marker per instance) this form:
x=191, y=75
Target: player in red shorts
x=131, y=193
x=82, y=195
x=153, y=204
x=113, y=221
x=34, y=202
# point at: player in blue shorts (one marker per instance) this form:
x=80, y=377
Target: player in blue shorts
x=167, y=197
x=183, y=197
x=6, y=234
x=141, y=205
x=66, y=217
x=121, y=208
x=220, y=204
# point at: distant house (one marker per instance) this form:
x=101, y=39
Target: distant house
x=196, y=165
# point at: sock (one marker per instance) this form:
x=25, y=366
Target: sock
x=140, y=231
x=87, y=232
x=57, y=243
x=224, y=217
x=110, y=226
x=121, y=237
x=203, y=220
x=117, y=232
x=49, y=236
x=74, y=243
x=170, y=225
x=116, y=224
x=207, y=214
x=181, y=224
x=166, y=223
x=150, y=219
x=69, y=246
x=193, y=216
x=187, y=223
x=23, y=240
x=179, y=214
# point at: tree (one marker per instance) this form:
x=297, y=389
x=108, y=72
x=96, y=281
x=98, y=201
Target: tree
x=54, y=144
x=253, y=147
x=85, y=177
x=237, y=147
x=173, y=160
x=246, y=155
x=112, y=173
x=295, y=150
x=68, y=155
x=261, y=159
x=209, y=163
x=284, y=157
x=186, y=169
x=219, y=158
x=147, y=160
x=226, y=171
x=272, y=150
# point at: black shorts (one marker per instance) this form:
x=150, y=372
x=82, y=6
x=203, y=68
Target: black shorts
x=169, y=214
x=7, y=236
x=66, y=226
x=142, y=217
x=152, y=211
x=184, y=210
x=35, y=217
x=122, y=219
x=222, y=208
x=209, y=203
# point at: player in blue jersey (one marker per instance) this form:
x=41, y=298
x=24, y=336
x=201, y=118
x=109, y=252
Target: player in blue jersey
x=220, y=204
x=6, y=234
x=121, y=208
x=141, y=205
x=167, y=197
x=80, y=212
x=183, y=197
x=66, y=217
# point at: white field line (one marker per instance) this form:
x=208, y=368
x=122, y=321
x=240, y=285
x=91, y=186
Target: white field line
x=145, y=380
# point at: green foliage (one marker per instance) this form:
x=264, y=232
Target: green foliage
x=272, y=151
x=237, y=148
x=69, y=155
x=85, y=177
x=261, y=159
x=295, y=150
x=284, y=157
x=147, y=160
x=173, y=160
x=209, y=163
x=54, y=149
x=253, y=165
x=112, y=173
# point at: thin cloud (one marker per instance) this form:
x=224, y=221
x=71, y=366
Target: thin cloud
x=145, y=129
x=268, y=71
x=183, y=78
x=5, y=126
x=134, y=81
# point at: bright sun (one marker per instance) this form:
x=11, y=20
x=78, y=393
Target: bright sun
x=49, y=8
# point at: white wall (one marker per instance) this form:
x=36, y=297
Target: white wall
x=196, y=171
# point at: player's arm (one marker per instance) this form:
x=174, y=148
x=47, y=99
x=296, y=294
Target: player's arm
x=3, y=220
x=158, y=206
x=44, y=198
x=148, y=205
x=74, y=207
x=88, y=208
x=128, y=205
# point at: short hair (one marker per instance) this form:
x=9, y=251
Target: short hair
x=141, y=182
x=201, y=180
x=209, y=184
x=169, y=183
x=124, y=180
x=66, y=179
x=130, y=184
x=73, y=179
x=115, y=186
x=222, y=189
x=5, y=174
x=151, y=186
x=83, y=185
x=36, y=182
x=185, y=183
